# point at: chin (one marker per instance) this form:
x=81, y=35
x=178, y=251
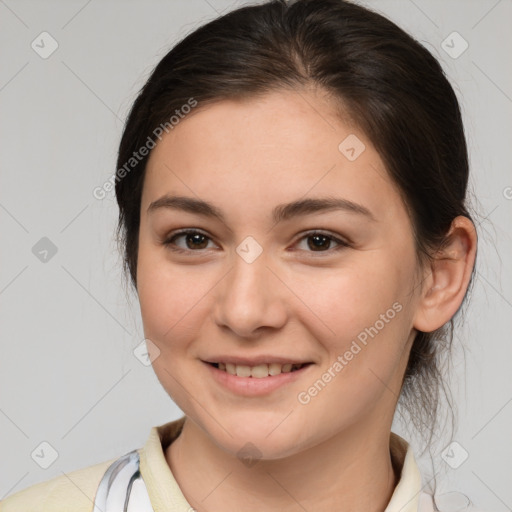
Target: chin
x=254, y=436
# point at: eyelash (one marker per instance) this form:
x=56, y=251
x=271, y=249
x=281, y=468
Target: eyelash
x=168, y=242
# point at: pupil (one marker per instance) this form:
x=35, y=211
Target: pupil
x=196, y=237
x=317, y=238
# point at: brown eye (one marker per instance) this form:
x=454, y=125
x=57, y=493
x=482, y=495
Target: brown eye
x=197, y=241
x=321, y=242
x=194, y=241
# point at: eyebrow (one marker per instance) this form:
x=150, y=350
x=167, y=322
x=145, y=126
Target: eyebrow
x=280, y=213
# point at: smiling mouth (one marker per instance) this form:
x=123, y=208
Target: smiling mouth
x=260, y=371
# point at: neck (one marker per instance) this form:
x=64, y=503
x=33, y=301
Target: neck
x=350, y=471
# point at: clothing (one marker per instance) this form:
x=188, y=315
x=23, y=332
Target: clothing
x=142, y=481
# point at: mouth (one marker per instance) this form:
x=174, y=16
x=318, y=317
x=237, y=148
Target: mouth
x=259, y=371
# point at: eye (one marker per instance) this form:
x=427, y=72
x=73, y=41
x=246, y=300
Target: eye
x=197, y=241
x=193, y=240
x=317, y=241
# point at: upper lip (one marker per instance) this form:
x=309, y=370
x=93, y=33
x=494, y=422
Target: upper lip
x=255, y=360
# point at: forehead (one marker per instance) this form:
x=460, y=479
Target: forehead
x=267, y=150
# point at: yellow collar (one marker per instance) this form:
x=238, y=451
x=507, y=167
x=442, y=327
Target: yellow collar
x=166, y=496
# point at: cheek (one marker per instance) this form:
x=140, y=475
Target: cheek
x=366, y=308
x=365, y=303
x=171, y=298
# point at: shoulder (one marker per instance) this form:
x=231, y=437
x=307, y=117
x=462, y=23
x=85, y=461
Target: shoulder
x=76, y=488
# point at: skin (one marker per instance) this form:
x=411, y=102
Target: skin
x=246, y=157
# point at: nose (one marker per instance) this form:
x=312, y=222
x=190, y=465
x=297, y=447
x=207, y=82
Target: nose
x=251, y=298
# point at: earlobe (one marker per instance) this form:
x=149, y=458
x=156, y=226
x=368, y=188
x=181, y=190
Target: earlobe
x=449, y=278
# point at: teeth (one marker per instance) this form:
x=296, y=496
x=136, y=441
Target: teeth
x=243, y=371
x=260, y=371
x=274, y=368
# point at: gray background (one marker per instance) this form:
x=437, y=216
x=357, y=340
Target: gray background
x=68, y=327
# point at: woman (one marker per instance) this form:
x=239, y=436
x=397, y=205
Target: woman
x=291, y=183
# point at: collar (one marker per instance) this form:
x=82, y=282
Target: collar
x=166, y=495
x=407, y=493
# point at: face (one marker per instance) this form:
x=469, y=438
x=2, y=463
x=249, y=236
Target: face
x=260, y=286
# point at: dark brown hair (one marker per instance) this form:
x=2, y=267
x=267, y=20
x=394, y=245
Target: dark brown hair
x=389, y=84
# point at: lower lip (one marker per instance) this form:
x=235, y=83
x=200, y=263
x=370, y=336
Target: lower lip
x=252, y=386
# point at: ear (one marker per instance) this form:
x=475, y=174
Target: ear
x=447, y=281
